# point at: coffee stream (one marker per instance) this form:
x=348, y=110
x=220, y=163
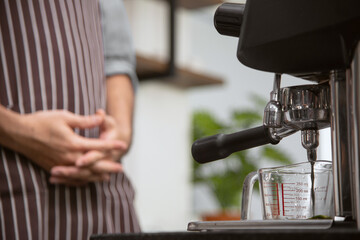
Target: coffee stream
x=312, y=188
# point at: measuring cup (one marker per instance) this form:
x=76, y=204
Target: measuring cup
x=297, y=191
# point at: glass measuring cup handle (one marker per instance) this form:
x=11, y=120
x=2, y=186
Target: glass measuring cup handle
x=248, y=186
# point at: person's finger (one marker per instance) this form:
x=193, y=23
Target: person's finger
x=96, y=172
x=106, y=166
x=78, y=121
x=71, y=172
x=101, y=113
x=90, y=157
x=86, y=144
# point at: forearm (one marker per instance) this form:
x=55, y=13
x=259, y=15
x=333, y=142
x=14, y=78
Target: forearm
x=120, y=104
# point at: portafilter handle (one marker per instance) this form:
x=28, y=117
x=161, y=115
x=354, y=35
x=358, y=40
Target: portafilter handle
x=220, y=146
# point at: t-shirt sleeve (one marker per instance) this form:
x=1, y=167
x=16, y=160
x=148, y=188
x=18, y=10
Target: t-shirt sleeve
x=118, y=45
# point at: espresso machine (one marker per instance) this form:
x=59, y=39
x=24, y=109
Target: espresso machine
x=317, y=41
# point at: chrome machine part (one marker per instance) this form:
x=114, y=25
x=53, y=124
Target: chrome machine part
x=272, y=112
x=353, y=83
x=340, y=143
x=280, y=133
x=310, y=141
x=259, y=225
x=306, y=106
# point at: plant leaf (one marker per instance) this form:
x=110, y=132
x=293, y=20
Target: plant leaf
x=204, y=124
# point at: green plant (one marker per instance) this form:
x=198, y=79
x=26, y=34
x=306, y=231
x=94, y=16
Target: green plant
x=225, y=177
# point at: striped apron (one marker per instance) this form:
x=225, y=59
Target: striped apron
x=51, y=57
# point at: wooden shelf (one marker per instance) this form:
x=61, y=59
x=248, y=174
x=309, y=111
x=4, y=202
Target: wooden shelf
x=185, y=78
x=194, y=4
x=148, y=68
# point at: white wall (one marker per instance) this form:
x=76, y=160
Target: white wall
x=158, y=163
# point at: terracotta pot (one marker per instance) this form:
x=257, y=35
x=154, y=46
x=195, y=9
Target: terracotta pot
x=222, y=216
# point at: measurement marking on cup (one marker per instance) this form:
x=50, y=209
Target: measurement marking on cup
x=282, y=191
x=277, y=196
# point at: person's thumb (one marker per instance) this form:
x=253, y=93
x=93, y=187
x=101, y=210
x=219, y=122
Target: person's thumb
x=77, y=121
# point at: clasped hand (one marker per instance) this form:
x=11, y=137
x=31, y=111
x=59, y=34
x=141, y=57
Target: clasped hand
x=72, y=159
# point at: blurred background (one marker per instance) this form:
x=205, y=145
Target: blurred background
x=190, y=79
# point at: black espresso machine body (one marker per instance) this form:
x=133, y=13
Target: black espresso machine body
x=295, y=37
x=312, y=40
x=298, y=37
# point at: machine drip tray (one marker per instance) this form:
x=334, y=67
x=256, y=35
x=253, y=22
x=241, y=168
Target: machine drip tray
x=260, y=224
x=338, y=230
